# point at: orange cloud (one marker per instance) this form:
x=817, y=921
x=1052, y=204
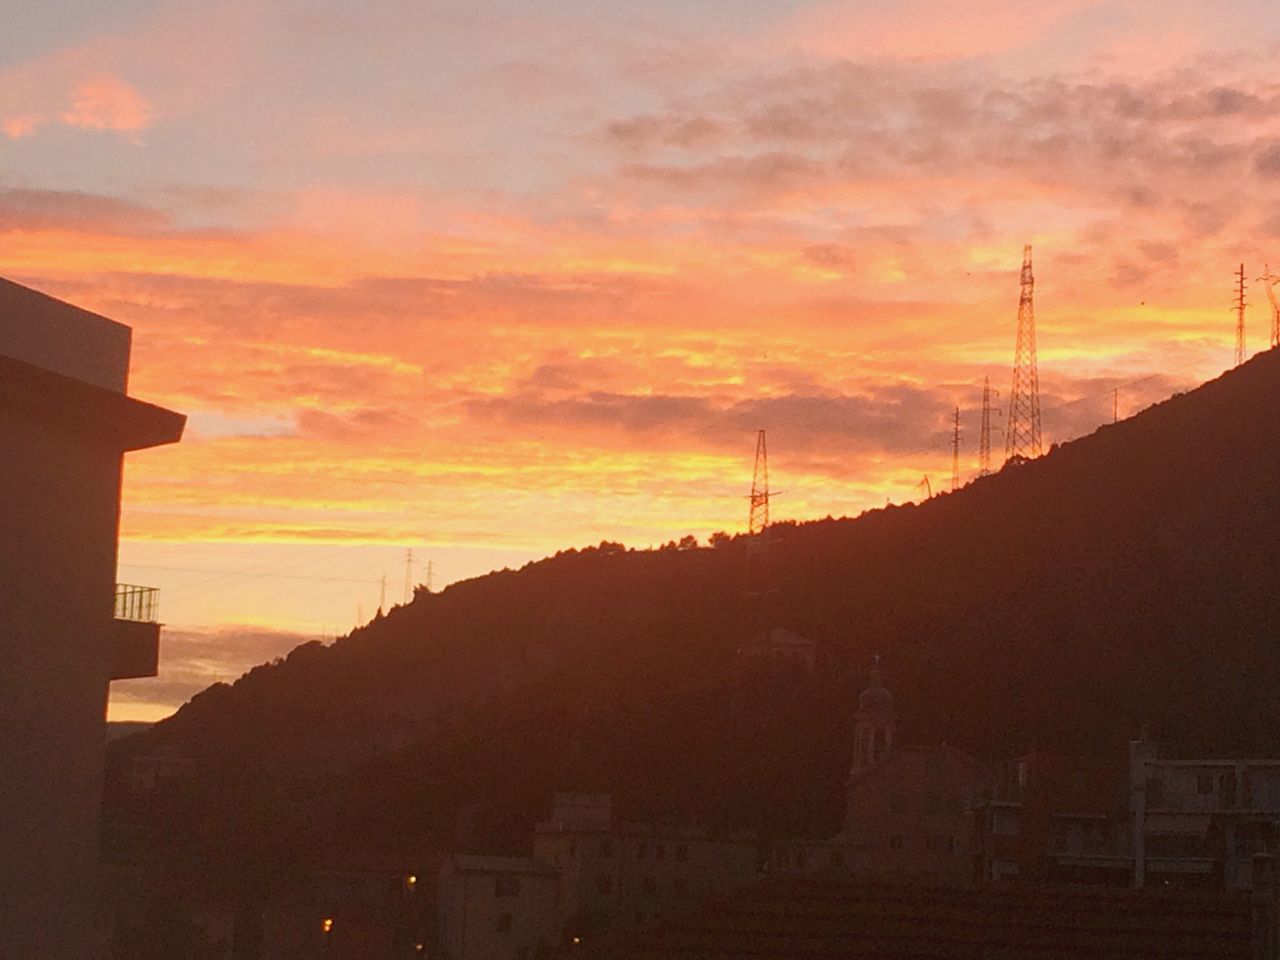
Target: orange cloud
x=108, y=103
x=21, y=126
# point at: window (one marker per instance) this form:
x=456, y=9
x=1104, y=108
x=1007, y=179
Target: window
x=837, y=858
x=642, y=918
x=650, y=886
x=641, y=850
x=606, y=848
x=1204, y=783
x=505, y=886
x=605, y=884
x=573, y=849
x=1227, y=789
x=932, y=802
x=680, y=887
x=951, y=844
x=1155, y=791
x=682, y=852
x=896, y=842
x=933, y=843
x=933, y=767
x=661, y=853
x=504, y=923
x=897, y=803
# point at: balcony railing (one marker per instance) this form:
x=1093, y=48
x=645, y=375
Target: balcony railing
x=139, y=604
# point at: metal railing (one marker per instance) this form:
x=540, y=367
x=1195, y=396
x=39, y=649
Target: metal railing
x=140, y=604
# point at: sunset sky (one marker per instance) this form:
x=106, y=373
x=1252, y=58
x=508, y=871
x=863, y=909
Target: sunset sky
x=490, y=280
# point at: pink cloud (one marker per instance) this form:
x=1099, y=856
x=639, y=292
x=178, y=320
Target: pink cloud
x=108, y=103
x=16, y=128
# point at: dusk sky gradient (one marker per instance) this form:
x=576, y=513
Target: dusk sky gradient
x=491, y=280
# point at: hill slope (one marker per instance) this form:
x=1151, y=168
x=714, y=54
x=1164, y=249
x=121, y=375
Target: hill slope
x=1126, y=579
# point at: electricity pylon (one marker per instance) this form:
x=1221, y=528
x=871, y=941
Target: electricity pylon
x=1271, y=280
x=1022, y=431
x=1239, y=308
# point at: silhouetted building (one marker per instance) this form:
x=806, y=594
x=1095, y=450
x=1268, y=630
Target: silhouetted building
x=909, y=809
x=1143, y=820
x=1199, y=821
x=497, y=907
x=619, y=874
x=65, y=627
x=1055, y=818
x=779, y=648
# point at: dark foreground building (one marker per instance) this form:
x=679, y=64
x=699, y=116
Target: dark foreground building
x=65, y=628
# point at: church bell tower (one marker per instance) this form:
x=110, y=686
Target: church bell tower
x=876, y=724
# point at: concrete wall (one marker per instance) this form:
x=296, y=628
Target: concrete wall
x=40, y=330
x=59, y=504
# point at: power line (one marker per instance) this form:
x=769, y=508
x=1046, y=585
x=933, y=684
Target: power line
x=249, y=573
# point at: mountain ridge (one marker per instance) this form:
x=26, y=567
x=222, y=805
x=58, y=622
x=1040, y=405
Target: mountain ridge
x=1123, y=581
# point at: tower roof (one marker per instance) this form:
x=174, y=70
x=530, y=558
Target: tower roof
x=876, y=702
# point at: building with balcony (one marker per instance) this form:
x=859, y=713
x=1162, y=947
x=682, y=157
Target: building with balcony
x=619, y=874
x=65, y=629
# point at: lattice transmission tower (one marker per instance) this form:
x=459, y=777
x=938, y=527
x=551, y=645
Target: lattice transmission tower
x=1271, y=280
x=1022, y=430
x=759, y=517
x=984, y=432
x=1239, y=308
x=955, y=451
x=760, y=587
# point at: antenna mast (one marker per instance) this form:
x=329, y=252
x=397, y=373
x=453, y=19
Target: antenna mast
x=408, y=575
x=1022, y=432
x=984, y=434
x=1271, y=280
x=955, y=451
x=1239, y=308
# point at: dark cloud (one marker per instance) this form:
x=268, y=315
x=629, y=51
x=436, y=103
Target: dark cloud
x=769, y=172
x=1266, y=161
x=647, y=132
x=895, y=418
x=948, y=121
x=366, y=422
x=73, y=210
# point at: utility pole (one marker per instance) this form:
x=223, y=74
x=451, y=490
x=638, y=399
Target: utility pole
x=928, y=487
x=408, y=575
x=1115, y=404
x=1022, y=431
x=431, y=575
x=1271, y=280
x=984, y=434
x=382, y=597
x=955, y=451
x=1239, y=308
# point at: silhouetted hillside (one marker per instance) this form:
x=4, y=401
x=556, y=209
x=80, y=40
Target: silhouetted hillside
x=1126, y=579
